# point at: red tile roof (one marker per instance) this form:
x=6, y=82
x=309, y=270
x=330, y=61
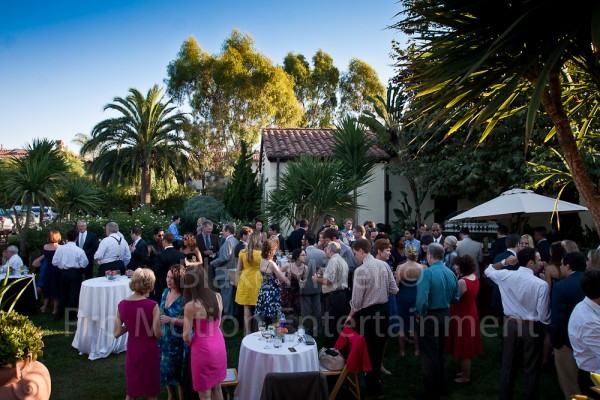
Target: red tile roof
x=290, y=143
x=13, y=153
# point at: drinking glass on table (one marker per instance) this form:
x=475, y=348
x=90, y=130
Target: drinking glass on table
x=262, y=325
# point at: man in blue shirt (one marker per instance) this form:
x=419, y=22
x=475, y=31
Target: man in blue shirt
x=437, y=287
x=173, y=228
x=410, y=238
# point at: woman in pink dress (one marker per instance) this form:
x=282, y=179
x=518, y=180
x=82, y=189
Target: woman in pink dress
x=464, y=341
x=140, y=316
x=203, y=314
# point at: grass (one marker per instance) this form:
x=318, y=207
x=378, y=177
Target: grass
x=76, y=377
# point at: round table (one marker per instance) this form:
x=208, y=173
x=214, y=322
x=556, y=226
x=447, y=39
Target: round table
x=256, y=361
x=98, y=303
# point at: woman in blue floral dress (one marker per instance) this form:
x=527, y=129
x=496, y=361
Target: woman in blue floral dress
x=171, y=343
x=268, y=304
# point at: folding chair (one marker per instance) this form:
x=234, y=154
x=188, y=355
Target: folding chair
x=356, y=361
x=231, y=381
x=343, y=375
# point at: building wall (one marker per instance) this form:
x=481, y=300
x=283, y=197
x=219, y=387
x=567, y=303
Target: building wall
x=372, y=198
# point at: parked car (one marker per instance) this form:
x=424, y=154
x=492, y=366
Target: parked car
x=49, y=213
x=6, y=220
x=20, y=216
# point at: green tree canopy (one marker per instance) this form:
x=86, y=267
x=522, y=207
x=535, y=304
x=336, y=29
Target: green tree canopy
x=315, y=88
x=232, y=94
x=356, y=85
x=481, y=57
x=243, y=192
x=144, y=142
x=34, y=179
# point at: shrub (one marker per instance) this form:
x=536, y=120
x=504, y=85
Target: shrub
x=19, y=337
x=201, y=206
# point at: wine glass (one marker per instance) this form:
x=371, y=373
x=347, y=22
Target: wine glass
x=268, y=335
x=262, y=325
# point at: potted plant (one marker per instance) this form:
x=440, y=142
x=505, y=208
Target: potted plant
x=21, y=375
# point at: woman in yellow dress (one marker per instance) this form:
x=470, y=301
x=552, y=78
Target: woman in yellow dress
x=250, y=278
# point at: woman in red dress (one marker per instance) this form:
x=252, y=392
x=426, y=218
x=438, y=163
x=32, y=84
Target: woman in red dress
x=464, y=341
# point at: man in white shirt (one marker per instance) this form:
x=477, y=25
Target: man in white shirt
x=71, y=260
x=11, y=255
x=584, y=332
x=113, y=252
x=526, y=302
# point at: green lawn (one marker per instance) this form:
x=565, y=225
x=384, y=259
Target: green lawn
x=76, y=377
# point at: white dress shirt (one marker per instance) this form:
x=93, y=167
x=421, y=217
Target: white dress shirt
x=113, y=248
x=524, y=295
x=14, y=262
x=584, y=334
x=69, y=256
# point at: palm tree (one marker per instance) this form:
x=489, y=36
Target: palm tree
x=482, y=56
x=309, y=188
x=145, y=141
x=34, y=179
x=351, y=147
x=78, y=196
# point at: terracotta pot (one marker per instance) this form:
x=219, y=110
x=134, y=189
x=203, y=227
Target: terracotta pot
x=26, y=381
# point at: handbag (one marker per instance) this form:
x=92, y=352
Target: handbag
x=331, y=359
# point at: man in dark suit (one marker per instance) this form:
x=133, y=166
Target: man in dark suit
x=163, y=263
x=566, y=294
x=499, y=245
x=208, y=244
x=541, y=244
x=294, y=241
x=436, y=232
x=274, y=230
x=139, y=250
x=88, y=241
x=155, y=247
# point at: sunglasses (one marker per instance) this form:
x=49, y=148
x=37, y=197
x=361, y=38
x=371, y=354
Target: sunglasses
x=160, y=235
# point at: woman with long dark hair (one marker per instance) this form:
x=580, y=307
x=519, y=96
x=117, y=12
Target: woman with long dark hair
x=203, y=314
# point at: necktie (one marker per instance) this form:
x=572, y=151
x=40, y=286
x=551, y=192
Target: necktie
x=81, y=240
x=207, y=242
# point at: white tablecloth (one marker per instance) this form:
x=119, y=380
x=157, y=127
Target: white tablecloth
x=98, y=302
x=256, y=361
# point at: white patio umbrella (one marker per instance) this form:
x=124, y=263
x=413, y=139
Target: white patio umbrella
x=518, y=201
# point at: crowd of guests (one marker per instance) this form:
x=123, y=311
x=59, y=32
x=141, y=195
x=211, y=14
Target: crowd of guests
x=422, y=287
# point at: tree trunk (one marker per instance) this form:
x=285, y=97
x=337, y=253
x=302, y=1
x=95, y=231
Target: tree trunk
x=552, y=103
x=146, y=184
x=24, y=232
x=415, y=194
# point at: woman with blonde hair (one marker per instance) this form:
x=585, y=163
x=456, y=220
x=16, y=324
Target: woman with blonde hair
x=526, y=241
x=250, y=278
x=407, y=275
x=208, y=353
x=593, y=259
x=140, y=317
x=570, y=246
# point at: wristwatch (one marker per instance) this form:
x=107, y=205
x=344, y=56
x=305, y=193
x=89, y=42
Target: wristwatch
x=503, y=262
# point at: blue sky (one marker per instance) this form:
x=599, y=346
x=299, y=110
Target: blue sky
x=61, y=62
